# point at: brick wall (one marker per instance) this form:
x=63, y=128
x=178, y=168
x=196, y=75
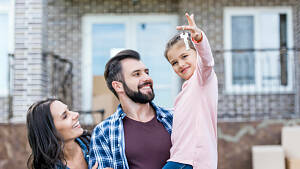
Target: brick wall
x=297, y=61
x=210, y=19
x=64, y=26
x=55, y=26
x=4, y=108
x=28, y=79
x=64, y=39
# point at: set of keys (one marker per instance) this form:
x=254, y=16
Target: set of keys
x=185, y=37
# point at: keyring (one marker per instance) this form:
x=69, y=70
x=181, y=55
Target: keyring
x=183, y=30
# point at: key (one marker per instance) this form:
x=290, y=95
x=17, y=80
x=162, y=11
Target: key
x=185, y=36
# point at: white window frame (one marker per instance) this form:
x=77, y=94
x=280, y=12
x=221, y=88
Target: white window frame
x=257, y=88
x=87, y=22
x=8, y=8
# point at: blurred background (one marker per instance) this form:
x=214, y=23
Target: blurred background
x=58, y=48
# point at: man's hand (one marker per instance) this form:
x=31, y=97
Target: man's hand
x=95, y=166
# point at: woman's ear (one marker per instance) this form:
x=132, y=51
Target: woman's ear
x=118, y=86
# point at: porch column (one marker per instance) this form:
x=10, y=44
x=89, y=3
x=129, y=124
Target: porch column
x=29, y=83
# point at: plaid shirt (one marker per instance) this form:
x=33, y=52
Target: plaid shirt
x=107, y=141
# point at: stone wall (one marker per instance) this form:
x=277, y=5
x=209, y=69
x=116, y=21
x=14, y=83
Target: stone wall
x=14, y=149
x=236, y=139
x=234, y=142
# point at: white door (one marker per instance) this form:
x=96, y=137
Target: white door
x=105, y=35
x=6, y=42
x=3, y=54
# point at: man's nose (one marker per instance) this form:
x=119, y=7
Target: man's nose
x=146, y=77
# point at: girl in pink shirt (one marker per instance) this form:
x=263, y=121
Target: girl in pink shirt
x=194, y=131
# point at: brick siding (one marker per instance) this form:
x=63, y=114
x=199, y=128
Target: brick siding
x=60, y=28
x=28, y=69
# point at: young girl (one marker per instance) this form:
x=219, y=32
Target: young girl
x=194, y=132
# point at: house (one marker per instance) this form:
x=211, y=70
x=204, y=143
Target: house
x=255, y=45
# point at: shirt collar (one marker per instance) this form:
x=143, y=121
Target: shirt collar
x=158, y=110
x=83, y=148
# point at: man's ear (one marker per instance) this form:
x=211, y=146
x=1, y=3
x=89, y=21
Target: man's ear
x=118, y=86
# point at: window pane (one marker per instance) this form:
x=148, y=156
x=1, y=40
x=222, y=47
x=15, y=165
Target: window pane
x=106, y=40
x=3, y=53
x=283, y=45
x=151, y=41
x=4, y=2
x=269, y=39
x=243, y=68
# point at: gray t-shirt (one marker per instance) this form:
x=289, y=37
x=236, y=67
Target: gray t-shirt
x=147, y=145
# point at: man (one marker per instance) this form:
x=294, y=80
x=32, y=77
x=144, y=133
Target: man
x=137, y=135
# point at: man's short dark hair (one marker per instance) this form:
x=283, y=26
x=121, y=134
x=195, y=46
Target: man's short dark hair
x=113, y=68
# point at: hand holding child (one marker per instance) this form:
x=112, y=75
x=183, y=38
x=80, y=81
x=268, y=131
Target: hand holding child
x=95, y=166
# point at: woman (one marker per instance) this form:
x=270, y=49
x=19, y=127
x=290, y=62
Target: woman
x=56, y=137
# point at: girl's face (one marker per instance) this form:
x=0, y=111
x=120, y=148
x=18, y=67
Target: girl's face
x=65, y=121
x=183, y=61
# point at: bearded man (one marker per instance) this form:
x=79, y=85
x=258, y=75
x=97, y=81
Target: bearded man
x=137, y=135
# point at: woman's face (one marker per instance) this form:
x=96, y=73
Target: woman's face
x=65, y=121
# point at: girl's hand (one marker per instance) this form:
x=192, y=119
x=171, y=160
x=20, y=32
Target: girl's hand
x=196, y=33
x=95, y=166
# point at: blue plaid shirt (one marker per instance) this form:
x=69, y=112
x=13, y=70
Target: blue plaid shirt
x=107, y=141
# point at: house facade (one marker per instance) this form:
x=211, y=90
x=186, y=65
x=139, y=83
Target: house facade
x=255, y=45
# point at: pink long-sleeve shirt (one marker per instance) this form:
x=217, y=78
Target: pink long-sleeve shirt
x=194, y=133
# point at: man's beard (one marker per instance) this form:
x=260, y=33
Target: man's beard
x=139, y=97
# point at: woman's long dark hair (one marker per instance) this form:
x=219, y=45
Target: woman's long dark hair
x=44, y=140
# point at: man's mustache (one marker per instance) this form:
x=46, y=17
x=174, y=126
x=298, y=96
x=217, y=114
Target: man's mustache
x=145, y=84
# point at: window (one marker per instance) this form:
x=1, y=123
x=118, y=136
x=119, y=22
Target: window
x=6, y=43
x=105, y=35
x=256, y=38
